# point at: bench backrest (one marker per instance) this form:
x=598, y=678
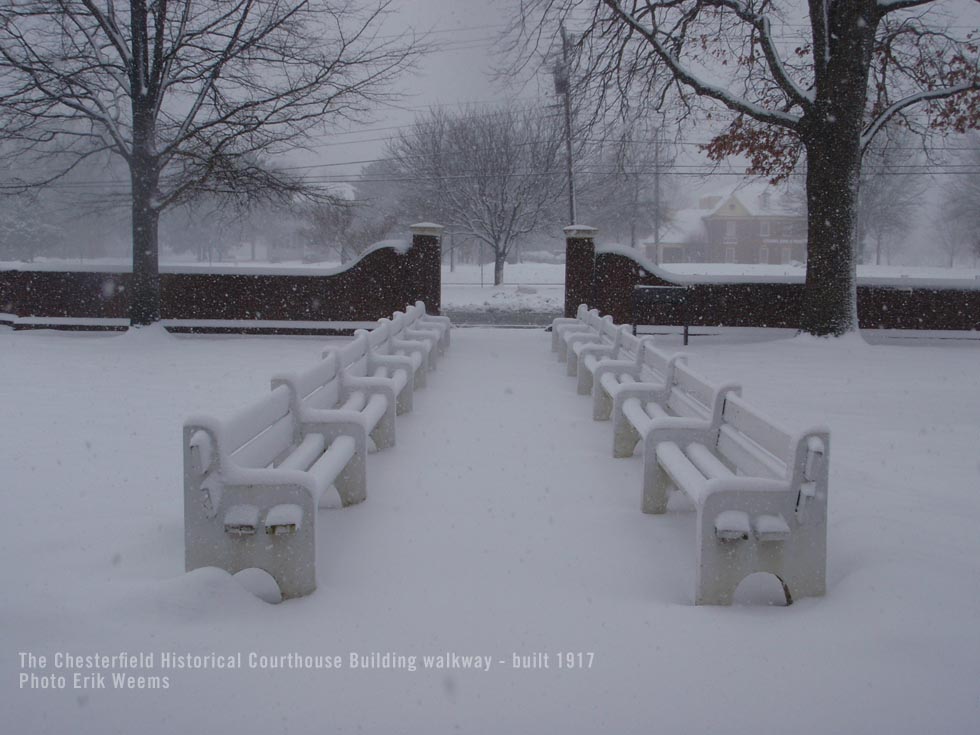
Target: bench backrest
x=661, y=363
x=413, y=313
x=317, y=387
x=693, y=396
x=352, y=357
x=630, y=346
x=396, y=325
x=758, y=446
x=259, y=434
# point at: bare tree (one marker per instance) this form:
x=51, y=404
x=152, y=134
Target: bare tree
x=891, y=195
x=855, y=66
x=625, y=190
x=25, y=232
x=347, y=228
x=187, y=93
x=960, y=206
x=495, y=176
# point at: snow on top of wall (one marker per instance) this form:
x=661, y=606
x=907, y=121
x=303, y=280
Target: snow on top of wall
x=123, y=265
x=690, y=274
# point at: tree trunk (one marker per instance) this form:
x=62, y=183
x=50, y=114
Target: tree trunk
x=831, y=132
x=832, y=179
x=499, y=256
x=144, y=304
x=144, y=172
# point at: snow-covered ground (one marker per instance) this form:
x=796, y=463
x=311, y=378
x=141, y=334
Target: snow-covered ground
x=499, y=525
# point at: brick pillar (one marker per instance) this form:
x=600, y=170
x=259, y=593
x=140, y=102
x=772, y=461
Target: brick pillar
x=427, y=261
x=579, y=266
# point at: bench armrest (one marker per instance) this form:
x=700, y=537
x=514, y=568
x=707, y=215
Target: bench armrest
x=598, y=349
x=619, y=367
x=678, y=429
x=646, y=392
x=397, y=362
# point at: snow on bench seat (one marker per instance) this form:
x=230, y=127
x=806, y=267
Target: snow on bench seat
x=581, y=322
x=441, y=324
x=602, y=339
x=589, y=330
x=760, y=494
x=252, y=485
x=641, y=369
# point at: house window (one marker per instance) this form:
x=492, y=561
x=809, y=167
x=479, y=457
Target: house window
x=730, y=254
x=730, y=230
x=786, y=255
x=763, y=254
x=764, y=228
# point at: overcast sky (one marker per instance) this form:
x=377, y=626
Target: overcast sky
x=457, y=74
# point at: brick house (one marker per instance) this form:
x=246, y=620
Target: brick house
x=752, y=224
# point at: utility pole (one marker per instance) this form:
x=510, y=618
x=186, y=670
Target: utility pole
x=563, y=87
x=656, y=186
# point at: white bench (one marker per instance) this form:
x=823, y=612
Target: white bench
x=606, y=344
x=402, y=341
x=587, y=331
x=365, y=366
x=440, y=324
x=252, y=485
x=601, y=339
x=413, y=330
x=687, y=400
x=622, y=353
x=760, y=494
x=577, y=323
x=641, y=369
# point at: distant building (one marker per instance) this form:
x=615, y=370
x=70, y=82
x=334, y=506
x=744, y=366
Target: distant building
x=752, y=224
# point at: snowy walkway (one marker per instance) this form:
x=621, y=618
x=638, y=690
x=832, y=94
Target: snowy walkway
x=499, y=525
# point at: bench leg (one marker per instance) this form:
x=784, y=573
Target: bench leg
x=571, y=364
x=656, y=483
x=420, y=378
x=351, y=484
x=383, y=434
x=799, y=562
x=406, y=399
x=290, y=559
x=295, y=561
x=601, y=404
x=625, y=435
x=585, y=377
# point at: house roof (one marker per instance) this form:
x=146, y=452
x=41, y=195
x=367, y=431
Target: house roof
x=751, y=199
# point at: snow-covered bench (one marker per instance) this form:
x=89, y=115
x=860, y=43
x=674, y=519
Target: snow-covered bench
x=602, y=339
x=585, y=331
x=624, y=353
x=760, y=494
x=687, y=400
x=401, y=340
x=577, y=323
x=252, y=485
x=366, y=365
x=640, y=369
x=441, y=325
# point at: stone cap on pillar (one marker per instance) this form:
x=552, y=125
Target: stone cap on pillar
x=429, y=229
x=580, y=231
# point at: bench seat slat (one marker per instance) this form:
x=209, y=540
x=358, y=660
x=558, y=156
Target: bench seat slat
x=264, y=449
x=707, y=462
x=247, y=423
x=332, y=463
x=765, y=432
x=634, y=411
x=682, y=471
x=305, y=454
x=748, y=456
